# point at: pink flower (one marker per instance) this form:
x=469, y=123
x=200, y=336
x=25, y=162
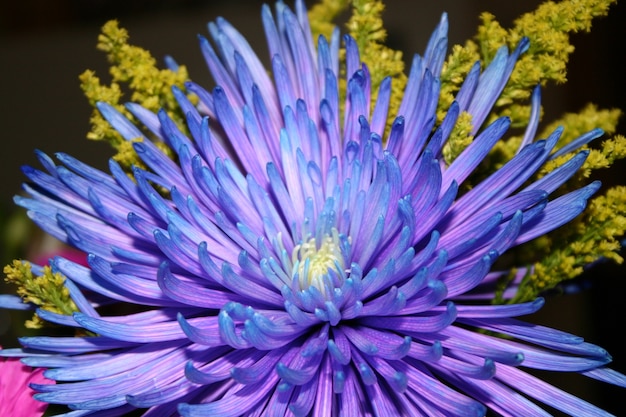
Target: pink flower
x=16, y=396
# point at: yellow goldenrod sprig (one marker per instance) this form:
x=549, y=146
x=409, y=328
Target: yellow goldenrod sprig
x=561, y=254
x=600, y=157
x=592, y=236
x=574, y=125
x=548, y=29
x=46, y=291
x=135, y=69
x=589, y=118
x=460, y=137
x=366, y=27
x=611, y=150
x=322, y=15
x=453, y=74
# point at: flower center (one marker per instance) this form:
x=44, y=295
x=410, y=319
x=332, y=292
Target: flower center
x=319, y=264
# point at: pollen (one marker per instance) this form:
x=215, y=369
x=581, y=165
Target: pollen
x=319, y=264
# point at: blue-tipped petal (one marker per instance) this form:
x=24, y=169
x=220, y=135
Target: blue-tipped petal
x=14, y=302
x=155, y=332
x=128, y=130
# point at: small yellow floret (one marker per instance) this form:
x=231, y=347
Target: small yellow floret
x=135, y=69
x=459, y=139
x=576, y=124
x=455, y=69
x=46, y=291
x=322, y=14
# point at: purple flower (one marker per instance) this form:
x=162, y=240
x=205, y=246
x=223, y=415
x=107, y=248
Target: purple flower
x=301, y=261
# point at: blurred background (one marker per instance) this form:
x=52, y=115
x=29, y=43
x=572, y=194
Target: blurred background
x=45, y=45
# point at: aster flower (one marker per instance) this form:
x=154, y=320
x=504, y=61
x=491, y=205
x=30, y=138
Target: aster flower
x=294, y=258
x=16, y=398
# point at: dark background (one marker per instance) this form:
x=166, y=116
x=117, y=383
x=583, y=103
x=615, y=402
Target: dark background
x=45, y=45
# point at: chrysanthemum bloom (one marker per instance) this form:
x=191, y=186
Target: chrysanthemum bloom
x=16, y=397
x=294, y=259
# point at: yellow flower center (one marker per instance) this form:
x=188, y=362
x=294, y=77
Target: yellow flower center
x=314, y=263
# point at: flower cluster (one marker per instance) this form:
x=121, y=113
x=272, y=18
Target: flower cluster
x=298, y=254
